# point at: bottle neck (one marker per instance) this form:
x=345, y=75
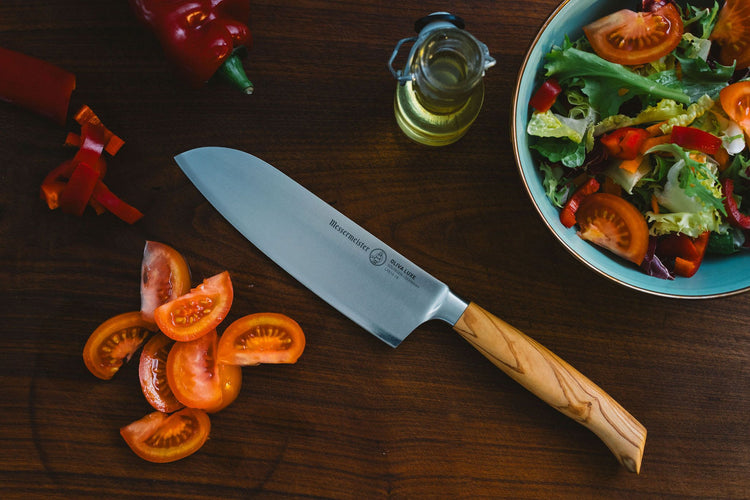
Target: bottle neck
x=447, y=67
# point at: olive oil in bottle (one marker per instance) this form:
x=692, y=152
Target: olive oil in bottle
x=441, y=90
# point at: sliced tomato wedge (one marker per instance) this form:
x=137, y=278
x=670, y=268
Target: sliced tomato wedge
x=197, y=379
x=165, y=276
x=114, y=342
x=163, y=438
x=613, y=223
x=152, y=371
x=632, y=38
x=732, y=33
x=230, y=380
x=262, y=338
x=735, y=100
x=198, y=312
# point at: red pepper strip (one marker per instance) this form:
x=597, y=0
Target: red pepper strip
x=697, y=139
x=108, y=200
x=77, y=191
x=734, y=216
x=625, y=142
x=86, y=115
x=545, y=96
x=687, y=252
x=36, y=85
x=568, y=213
x=687, y=267
x=54, y=183
x=199, y=37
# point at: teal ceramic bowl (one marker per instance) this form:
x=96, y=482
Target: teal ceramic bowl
x=717, y=277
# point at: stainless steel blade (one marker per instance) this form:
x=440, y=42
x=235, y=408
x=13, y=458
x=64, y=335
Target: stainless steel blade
x=352, y=270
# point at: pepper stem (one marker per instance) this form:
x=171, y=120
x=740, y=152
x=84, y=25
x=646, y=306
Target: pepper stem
x=233, y=72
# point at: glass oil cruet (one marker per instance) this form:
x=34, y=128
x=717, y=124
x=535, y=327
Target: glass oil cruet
x=441, y=89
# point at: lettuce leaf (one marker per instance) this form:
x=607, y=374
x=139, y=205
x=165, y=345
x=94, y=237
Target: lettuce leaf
x=607, y=84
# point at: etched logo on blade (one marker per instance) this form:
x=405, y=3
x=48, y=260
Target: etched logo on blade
x=378, y=257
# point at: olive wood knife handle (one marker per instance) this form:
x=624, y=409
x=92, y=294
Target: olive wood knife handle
x=555, y=382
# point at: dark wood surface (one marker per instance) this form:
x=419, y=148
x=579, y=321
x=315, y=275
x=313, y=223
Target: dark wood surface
x=353, y=418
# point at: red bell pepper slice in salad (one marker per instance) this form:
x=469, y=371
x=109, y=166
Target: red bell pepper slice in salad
x=36, y=85
x=545, y=96
x=625, y=142
x=568, y=213
x=734, y=216
x=688, y=252
x=694, y=138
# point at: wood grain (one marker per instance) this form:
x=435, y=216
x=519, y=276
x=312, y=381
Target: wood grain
x=353, y=418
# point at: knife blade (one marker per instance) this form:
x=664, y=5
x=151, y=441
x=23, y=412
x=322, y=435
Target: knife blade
x=387, y=294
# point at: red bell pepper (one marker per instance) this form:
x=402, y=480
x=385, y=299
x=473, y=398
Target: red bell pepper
x=568, y=213
x=625, y=142
x=35, y=84
x=545, y=96
x=688, y=252
x=202, y=37
x=734, y=216
x=697, y=139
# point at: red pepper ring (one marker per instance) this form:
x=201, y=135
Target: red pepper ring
x=734, y=216
x=200, y=36
x=568, y=213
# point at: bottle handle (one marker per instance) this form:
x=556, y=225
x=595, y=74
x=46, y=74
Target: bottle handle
x=402, y=76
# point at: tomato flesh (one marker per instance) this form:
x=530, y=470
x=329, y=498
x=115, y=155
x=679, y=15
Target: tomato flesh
x=165, y=276
x=632, y=38
x=152, y=371
x=262, y=338
x=732, y=33
x=197, y=379
x=198, y=312
x=163, y=438
x=114, y=342
x=611, y=222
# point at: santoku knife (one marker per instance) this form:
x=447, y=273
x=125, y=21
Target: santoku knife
x=387, y=294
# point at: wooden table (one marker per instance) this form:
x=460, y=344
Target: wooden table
x=353, y=418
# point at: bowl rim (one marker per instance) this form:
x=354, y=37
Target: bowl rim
x=515, y=118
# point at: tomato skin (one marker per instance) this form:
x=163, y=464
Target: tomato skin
x=735, y=100
x=114, y=342
x=196, y=377
x=230, y=380
x=152, y=371
x=261, y=338
x=165, y=276
x=198, y=312
x=163, y=438
x=732, y=33
x=613, y=223
x=631, y=38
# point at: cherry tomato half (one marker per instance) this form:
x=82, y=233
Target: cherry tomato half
x=732, y=33
x=198, y=312
x=163, y=438
x=114, y=342
x=631, y=38
x=735, y=100
x=262, y=338
x=197, y=379
x=613, y=223
x=164, y=276
x=153, y=374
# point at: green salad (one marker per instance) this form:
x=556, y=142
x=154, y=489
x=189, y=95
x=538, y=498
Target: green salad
x=640, y=128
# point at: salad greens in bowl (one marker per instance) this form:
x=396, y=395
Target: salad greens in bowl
x=630, y=127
